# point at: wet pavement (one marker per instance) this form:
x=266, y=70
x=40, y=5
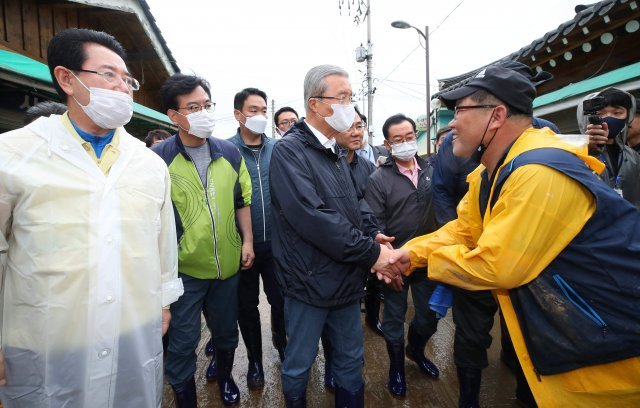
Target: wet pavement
x=498, y=384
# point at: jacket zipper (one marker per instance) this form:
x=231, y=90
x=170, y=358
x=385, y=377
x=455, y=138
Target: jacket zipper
x=264, y=221
x=213, y=226
x=580, y=303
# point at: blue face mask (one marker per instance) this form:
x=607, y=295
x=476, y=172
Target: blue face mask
x=615, y=125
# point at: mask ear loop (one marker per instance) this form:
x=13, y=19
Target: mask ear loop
x=481, y=149
x=177, y=124
x=84, y=86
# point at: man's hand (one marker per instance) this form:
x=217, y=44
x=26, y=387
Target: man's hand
x=3, y=380
x=400, y=260
x=383, y=268
x=384, y=240
x=247, y=256
x=598, y=135
x=166, y=319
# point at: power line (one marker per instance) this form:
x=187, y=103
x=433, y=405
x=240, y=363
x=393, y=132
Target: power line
x=401, y=62
x=420, y=39
x=445, y=19
x=405, y=88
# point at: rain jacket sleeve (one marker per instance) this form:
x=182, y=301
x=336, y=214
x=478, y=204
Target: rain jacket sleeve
x=528, y=228
x=306, y=212
x=457, y=231
x=172, y=287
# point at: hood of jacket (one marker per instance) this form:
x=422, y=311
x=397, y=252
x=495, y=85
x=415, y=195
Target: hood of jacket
x=583, y=120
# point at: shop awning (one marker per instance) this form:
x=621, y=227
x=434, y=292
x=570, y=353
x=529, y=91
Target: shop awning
x=625, y=78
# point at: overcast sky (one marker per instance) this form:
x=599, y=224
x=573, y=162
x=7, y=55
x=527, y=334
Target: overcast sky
x=272, y=44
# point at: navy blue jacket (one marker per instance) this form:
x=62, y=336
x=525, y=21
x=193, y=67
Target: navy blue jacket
x=583, y=308
x=320, y=244
x=261, y=194
x=361, y=169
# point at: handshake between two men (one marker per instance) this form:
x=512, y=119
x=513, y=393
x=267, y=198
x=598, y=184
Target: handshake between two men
x=392, y=263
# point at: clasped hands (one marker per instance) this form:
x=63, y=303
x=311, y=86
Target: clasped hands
x=392, y=264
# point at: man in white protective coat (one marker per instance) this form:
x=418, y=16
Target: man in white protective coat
x=88, y=231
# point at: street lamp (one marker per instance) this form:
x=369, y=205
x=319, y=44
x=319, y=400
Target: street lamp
x=425, y=35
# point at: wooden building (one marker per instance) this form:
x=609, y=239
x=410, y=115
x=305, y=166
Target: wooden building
x=27, y=26
x=598, y=48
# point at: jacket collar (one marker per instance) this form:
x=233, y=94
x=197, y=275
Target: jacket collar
x=239, y=141
x=214, y=147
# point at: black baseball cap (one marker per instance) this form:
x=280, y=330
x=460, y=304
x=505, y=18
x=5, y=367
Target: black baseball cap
x=511, y=87
x=536, y=79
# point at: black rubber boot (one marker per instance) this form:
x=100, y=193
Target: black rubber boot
x=229, y=392
x=397, y=384
x=255, y=373
x=187, y=398
x=212, y=370
x=327, y=349
x=469, y=380
x=415, y=352
x=347, y=399
x=278, y=334
x=296, y=402
x=252, y=335
x=372, y=313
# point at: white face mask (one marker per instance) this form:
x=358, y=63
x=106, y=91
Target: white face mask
x=404, y=151
x=201, y=123
x=342, y=117
x=106, y=108
x=365, y=139
x=257, y=123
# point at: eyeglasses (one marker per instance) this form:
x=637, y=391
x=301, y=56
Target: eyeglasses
x=358, y=127
x=408, y=138
x=342, y=100
x=112, y=78
x=193, y=108
x=466, y=107
x=287, y=122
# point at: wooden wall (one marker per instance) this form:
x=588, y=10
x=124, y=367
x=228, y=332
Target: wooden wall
x=27, y=26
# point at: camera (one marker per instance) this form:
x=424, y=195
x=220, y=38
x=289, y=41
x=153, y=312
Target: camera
x=590, y=108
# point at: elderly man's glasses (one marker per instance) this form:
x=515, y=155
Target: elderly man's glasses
x=357, y=127
x=112, y=78
x=193, y=108
x=342, y=100
x=467, y=107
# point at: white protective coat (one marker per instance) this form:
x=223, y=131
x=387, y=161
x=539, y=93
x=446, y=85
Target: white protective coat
x=90, y=261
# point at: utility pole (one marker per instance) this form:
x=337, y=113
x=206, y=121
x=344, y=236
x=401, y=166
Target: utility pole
x=369, y=75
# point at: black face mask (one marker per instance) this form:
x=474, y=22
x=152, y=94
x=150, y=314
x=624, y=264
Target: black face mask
x=615, y=125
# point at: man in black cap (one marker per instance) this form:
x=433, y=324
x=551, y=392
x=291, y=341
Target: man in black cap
x=557, y=246
x=474, y=311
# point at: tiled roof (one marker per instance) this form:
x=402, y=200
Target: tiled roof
x=584, y=15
